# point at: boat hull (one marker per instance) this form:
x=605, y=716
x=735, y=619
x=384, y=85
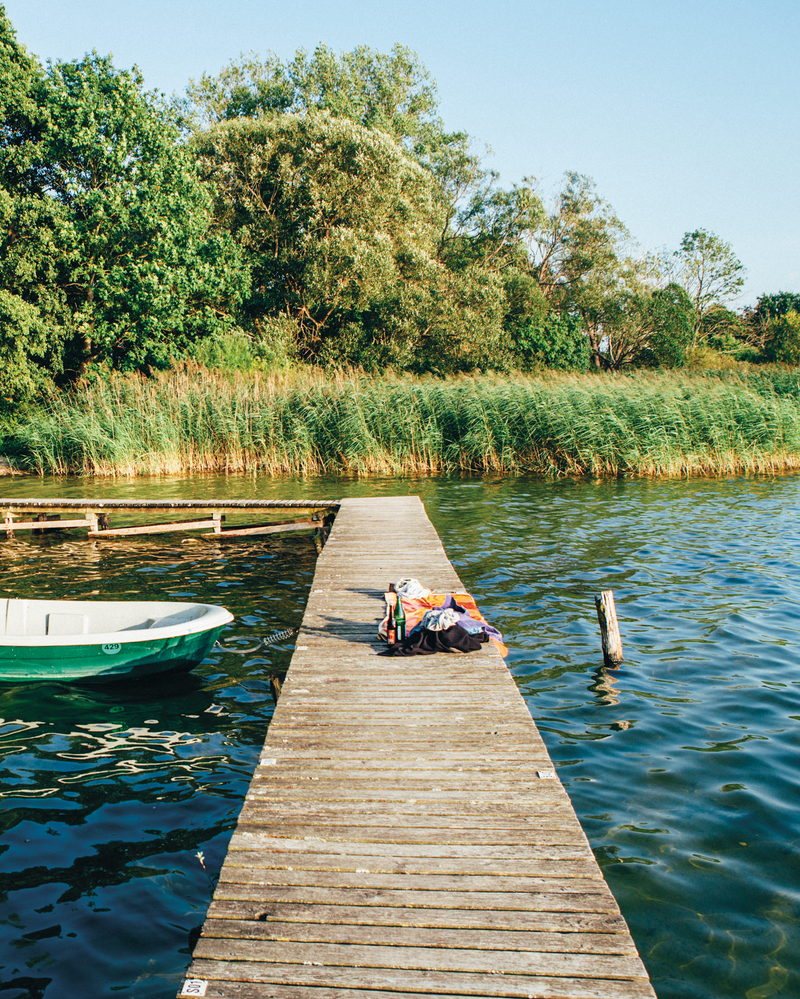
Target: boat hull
x=103, y=640
x=105, y=661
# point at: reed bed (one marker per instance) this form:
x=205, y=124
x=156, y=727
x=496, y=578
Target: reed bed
x=309, y=423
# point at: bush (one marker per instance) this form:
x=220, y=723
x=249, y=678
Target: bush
x=556, y=341
x=783, y=338
x=271, y=347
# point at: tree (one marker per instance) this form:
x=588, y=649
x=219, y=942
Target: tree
x=26, y=351
x=773, y=306
x=393, y=93
x=709, y=271
x=580, y=236
x=134, y=262
x=488, y=228
x=334, y=218
x=669, y=318
x=653, y=328
x=478, y=226
x=766, y=333
x=21, y=114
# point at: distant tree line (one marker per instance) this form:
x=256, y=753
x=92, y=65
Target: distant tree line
x=318, y=210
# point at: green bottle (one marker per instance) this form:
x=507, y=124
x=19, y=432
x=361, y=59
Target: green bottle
x=400, y=619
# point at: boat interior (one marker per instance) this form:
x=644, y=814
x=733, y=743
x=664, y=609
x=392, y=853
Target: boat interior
x=40, y=618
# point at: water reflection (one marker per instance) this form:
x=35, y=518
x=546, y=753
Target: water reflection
x=604, y=686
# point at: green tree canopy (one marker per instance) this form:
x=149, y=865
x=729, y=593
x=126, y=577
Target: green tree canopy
x=776, y=305
x=710, y=272
x=783, y=338
x=393, y=93
x=334, y=217
x=134, y=265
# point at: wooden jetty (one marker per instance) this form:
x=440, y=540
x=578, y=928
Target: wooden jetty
x=94, y=515
x=405, y=834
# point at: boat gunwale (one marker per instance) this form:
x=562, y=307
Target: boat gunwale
x=214, y=617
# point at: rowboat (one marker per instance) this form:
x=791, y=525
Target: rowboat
x=103, y=639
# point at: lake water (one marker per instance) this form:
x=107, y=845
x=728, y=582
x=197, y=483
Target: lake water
x=682, y=766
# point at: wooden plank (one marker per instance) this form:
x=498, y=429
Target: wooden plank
x=345, y=822
x=459, y=814
x=425, y=982
x=244, y=532
x=542, y=867
x=235, y=989
x=601, y=931
x=561, y=902
x=64, y=505
x=562, y=834
x=44, y=525
x=432, y=958
x=577, y=881
x=372, y=933
x=404, y=832
x=178, y=525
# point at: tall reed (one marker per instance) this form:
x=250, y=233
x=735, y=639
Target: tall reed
x=309, y=423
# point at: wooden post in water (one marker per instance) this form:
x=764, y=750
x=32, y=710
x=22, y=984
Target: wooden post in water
x=609, y=628
x=275, y=687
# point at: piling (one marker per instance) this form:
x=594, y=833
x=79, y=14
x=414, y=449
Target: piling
x=610, y=637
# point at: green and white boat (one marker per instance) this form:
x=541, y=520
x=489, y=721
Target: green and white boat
x=103, y=639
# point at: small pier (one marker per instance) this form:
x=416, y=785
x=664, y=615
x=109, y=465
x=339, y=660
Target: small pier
x=405, y=834
x=203, y=515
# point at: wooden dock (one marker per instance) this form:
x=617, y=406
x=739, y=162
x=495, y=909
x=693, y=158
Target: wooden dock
x=404, y=834
x=206, y=515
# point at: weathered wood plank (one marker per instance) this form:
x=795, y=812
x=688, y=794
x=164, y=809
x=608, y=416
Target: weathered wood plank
x=431, y=958
x=541, y=866
x=582, y=866
x=179, y=525
x=271, y=927
x=298, y=822
x=244, y=532
x=395, y=836
x=577, y=882
x=563, y=901
x=604, y=932
x=44, y=525
x=263, y=841
x=425, y=982
x=270, y=990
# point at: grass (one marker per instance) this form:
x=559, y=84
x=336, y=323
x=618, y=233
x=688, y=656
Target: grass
x=308, y=423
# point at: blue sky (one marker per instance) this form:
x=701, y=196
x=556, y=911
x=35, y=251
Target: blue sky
x=684, y=113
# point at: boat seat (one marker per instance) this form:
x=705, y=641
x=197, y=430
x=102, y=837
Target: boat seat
x=141, y=626
x=67, y=624
x=16, y=617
